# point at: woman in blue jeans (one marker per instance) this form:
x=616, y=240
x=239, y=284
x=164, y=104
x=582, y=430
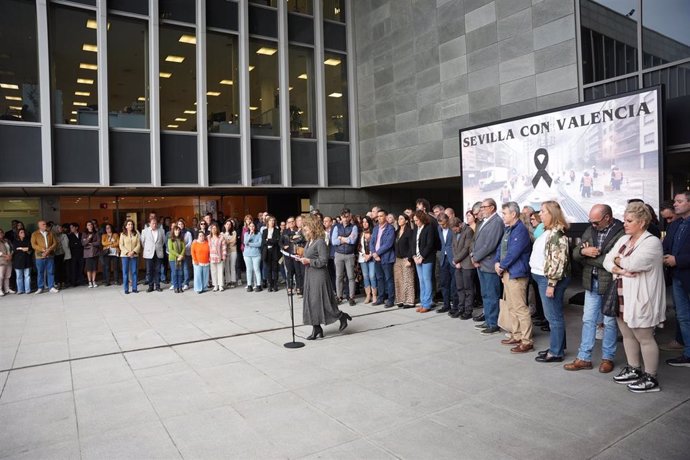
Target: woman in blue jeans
x=550, y=265
x=21, y=261
x=366, y=261
x=424, y=258
x=252, y=258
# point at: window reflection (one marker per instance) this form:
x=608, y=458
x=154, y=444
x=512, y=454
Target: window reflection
x=19, y=91
x=128, y=82
x=74, y=65
x=665, y=32
x=337, y=119
x=222, y=68
x=271, y=3
x=263, y=88
x=300, y=6
x=177, y=78
x=301, y=91
x=334, y=10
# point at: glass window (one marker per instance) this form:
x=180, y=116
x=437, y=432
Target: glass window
x=300, y=29
x=334, y=36
x=177, y=10
x=221, y=14
x=611, y=89
x=338, y=164
x=131, y=6
x=609, y=38
x=25, y=210
x=73, y=62
x=301, y=92
x=128, y=81
x=334, y=10
x=337, y=119
x=263, y=88
x=222, y=85
x=675, y=79
x=20, y=154
x=271, y=3
x=665, y=31
x=263, y=21
x=266, y=161
x=300, y=6
x=177, y=78
x=19, y=65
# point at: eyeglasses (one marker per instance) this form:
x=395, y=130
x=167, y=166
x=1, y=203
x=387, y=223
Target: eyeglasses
x=484, y=206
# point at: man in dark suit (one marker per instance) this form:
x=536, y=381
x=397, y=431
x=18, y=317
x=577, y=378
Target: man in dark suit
x=383, y=251
x=677, y=258
x=446, y=266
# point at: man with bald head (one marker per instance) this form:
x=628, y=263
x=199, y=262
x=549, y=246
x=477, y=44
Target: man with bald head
x=597, y=241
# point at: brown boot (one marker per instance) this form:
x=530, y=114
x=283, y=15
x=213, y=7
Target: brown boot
x=578, y=365
x=368, y=292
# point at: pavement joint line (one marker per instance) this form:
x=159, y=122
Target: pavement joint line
x=638, y=429
x=189, y=342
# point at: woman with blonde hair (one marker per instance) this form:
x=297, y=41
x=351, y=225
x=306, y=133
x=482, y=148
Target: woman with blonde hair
x=230, y=238
x=218, y=252
x=550, y=266
x=320, y=303
x=636, y=261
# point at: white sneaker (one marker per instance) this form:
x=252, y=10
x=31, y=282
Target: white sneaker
x=215, y=289
x=38, y=291
x=54, y=290
x=222, y=289
x=95, y=285
x=90, y=285
x=171, y=288
x=10, y=291
x=2, y=293
x=185, y=287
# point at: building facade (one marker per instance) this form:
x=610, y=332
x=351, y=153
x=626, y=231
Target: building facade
x=112, y=107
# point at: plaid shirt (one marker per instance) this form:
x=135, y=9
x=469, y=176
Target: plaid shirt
x=599, y=241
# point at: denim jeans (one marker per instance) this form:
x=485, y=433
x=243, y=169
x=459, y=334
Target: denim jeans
x=201, y=273
x=553, y=309
x=682, y=301
x=45, y=267
x=448, y=286
x=187, y=269
x=384, y=281
x=426, y=284
x=253, y=264
x=491, y=291
x=129, y=271
x=23, y=280
x=590, y=318
x=369, y=273
x=176, y=274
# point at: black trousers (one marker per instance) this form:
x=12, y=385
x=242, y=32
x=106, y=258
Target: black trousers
x=153, y=269
x=76, y=270
x=271, y=268
x=464, y=282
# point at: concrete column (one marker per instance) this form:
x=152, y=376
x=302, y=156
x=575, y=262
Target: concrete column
x=44, y=90
x=320, y=90
x=154, y=94
x=284, y=96
x=245, y=132
x=102, y=89
x=201, y=84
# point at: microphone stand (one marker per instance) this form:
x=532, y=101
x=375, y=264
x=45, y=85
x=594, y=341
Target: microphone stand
x=291, y=304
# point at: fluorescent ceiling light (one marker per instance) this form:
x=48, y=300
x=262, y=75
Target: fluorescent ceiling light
x=191, y=39
x=251, y=67
x=173, y=58
x=213, y=93
x=190, y=112
x=92, y=24
x=74, y=112
x=141, y=99
x=266, y=51
x=253, y=108
x=9, y=86
x=15, y=107
x=86, y=66
x=87, y=47
x=226, y=82
x=173, y=126
x=165, y=74
x=303, y=76
x=335, y=95
x=13, y=98
x=85, y=81
x=72, y=120
x=332, y=61
x=82, y=93
x=180, y=119
x=79, y=104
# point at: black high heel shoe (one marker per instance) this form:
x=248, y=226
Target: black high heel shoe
x=315, y=333
x=344, y=318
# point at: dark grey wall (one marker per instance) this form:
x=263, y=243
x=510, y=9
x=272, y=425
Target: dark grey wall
x=426, y=68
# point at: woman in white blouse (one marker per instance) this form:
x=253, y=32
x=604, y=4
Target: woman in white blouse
x=636, y=260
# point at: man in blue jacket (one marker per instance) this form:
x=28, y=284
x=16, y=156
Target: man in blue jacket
x=447, y=267
x=488, y=237
x=512, y=265
x=382, y=241
x=677, y=258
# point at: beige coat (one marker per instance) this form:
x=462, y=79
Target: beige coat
x=129, y=244
x=644, y=295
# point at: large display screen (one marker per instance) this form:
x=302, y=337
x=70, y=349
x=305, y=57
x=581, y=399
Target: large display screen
x=606, y=151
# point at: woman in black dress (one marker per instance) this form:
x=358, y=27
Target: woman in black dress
x=320, y=303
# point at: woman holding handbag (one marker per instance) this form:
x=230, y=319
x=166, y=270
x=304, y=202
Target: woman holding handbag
x=111, y=253
x=636, y=261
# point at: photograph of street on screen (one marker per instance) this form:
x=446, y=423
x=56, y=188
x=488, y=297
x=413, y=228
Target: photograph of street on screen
x=604, y=152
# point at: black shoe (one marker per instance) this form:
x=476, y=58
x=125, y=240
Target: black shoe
x=389, y=305
x=466, y=316
x=263, y=285
x=548, y=359
x=405, y=306
x=107, y=284
x=443, y=310
x=543, y=353
x=481, y=326
x=546, y=328
x=158, y=288
x=258, y=289
x=250, y=289
x=491, y=331
x=315, y=333
x=628, y=375
x=344, y=318
x=126, y=292
x=351, y=301
x=454, y=314
x=479, y=319
x=150, y=289
x=377, y=303
x=681, y=361
x=540, y=322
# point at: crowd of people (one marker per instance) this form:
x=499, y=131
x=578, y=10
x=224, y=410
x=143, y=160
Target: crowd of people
x=489, y=259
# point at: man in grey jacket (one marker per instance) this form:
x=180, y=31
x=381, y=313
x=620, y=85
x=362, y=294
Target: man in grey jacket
x=464, y=282
x=487, y=239
x=153, y=242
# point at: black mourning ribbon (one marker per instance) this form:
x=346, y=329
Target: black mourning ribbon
x=541, y=164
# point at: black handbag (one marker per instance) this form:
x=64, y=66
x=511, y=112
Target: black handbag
x=609, y=305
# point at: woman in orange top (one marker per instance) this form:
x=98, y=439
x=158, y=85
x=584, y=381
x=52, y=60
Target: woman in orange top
x=201, y=258
x=111, y=253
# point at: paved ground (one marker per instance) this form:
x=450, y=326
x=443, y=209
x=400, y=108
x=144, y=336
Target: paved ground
x=397, y=384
